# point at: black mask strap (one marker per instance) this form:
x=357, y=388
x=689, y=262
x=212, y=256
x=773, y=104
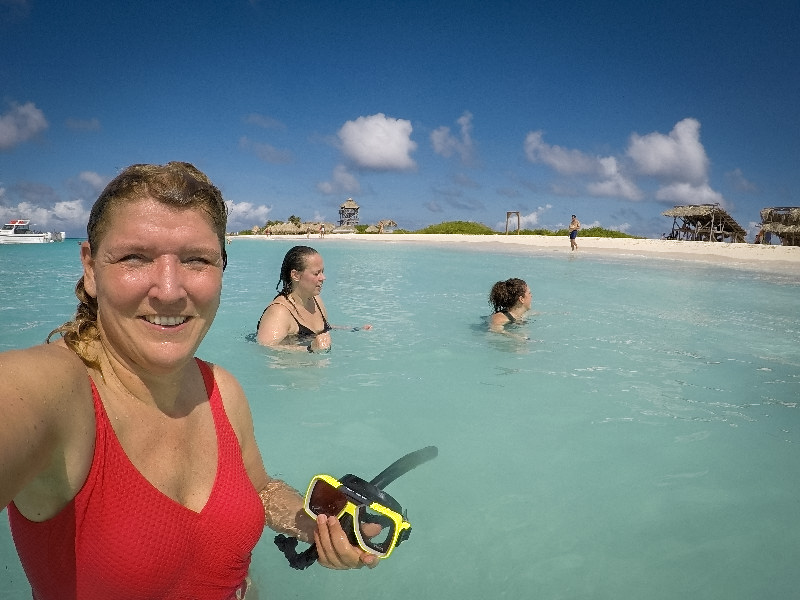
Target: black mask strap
x=297, y=560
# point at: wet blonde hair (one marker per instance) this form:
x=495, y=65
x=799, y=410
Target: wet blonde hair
x=176, y=184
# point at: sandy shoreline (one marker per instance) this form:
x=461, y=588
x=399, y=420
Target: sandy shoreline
x=783, y=259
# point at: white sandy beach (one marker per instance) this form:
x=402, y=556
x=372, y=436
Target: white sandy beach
x=785, y=259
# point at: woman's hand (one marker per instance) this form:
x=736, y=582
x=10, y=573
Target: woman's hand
x=335, y=551
x=321, y=343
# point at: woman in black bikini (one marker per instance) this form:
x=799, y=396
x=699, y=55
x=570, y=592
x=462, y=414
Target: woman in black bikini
x=511, y=299
x=297, y=309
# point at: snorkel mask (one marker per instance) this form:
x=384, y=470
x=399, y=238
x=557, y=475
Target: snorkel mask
x=356, y=502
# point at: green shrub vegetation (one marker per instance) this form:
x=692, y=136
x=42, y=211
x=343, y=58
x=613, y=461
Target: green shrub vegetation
x=472, y=228
x=462, y=227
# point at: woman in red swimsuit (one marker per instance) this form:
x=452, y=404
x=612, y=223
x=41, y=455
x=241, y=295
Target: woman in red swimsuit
x=129, y=467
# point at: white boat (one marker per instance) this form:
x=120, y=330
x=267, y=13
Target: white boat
x=18, y=232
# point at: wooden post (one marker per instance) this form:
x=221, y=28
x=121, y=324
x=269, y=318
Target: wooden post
x=508, y=216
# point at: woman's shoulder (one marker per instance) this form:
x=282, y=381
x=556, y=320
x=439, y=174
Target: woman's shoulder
x=499, y=318
x=63, y=395
x=27, y=365
x=232, y=394
x=279, y=303
x=320, y=303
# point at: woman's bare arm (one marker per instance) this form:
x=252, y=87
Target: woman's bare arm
x=283, y=505
x=46, y=429
x=276, y=324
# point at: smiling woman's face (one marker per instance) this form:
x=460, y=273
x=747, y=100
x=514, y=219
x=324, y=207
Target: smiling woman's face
x=157, y=277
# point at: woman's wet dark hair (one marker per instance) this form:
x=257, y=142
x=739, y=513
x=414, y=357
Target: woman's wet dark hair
x=176, y=184
x=504, y=294
x=295, y=260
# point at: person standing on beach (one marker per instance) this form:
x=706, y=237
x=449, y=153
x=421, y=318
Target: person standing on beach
x=574, y=226
x=131, y=470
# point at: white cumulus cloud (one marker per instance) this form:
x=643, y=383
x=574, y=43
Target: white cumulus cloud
x=446, y=144
x=613, y=183
x=379, y=143
x=609, y=179
x=739, y=182
x=677, y=161
x=95, y=181
x=678, y=155
x=246, y=214
x=20, y=124
x=686, y=193
x=342, y=182
x=72, y=212
x=566, y=162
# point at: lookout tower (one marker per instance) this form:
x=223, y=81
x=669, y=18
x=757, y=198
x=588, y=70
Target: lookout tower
x=348, y=214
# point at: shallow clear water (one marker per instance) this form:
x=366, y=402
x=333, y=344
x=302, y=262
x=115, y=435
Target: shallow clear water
x=642, y=443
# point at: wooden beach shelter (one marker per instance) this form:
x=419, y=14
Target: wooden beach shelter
x=385, y=224
x=703, y=223
x=348, y=213
x=783, y=221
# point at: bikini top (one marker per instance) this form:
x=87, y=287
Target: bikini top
x=302, y=330
x=508, y=315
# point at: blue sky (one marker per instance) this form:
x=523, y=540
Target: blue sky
x=422, y=112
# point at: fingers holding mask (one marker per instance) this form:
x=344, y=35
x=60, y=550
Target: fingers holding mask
x=335, y=550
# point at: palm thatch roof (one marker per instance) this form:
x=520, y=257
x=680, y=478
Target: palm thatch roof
x=285, y=228
x=315, y=226
x=387, y=223
x=704, y=222
x=783, y=221
x=349, y=203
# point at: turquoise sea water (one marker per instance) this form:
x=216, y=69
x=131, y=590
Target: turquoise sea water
x=643, y=443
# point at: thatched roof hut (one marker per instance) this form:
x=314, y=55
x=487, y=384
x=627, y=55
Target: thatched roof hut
x=386, y=225
x=783, y=221
x=316, y=227
x=286, y=228
x=704, y=223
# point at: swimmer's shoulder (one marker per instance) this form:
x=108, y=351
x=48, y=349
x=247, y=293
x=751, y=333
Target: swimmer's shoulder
x=24, y=368
x=279, y=304
x=498, y=319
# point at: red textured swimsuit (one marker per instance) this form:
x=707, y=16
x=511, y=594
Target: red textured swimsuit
x=120, y=538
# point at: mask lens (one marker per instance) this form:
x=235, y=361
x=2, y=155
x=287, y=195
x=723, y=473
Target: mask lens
x=325, y=499
x=377, y=539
